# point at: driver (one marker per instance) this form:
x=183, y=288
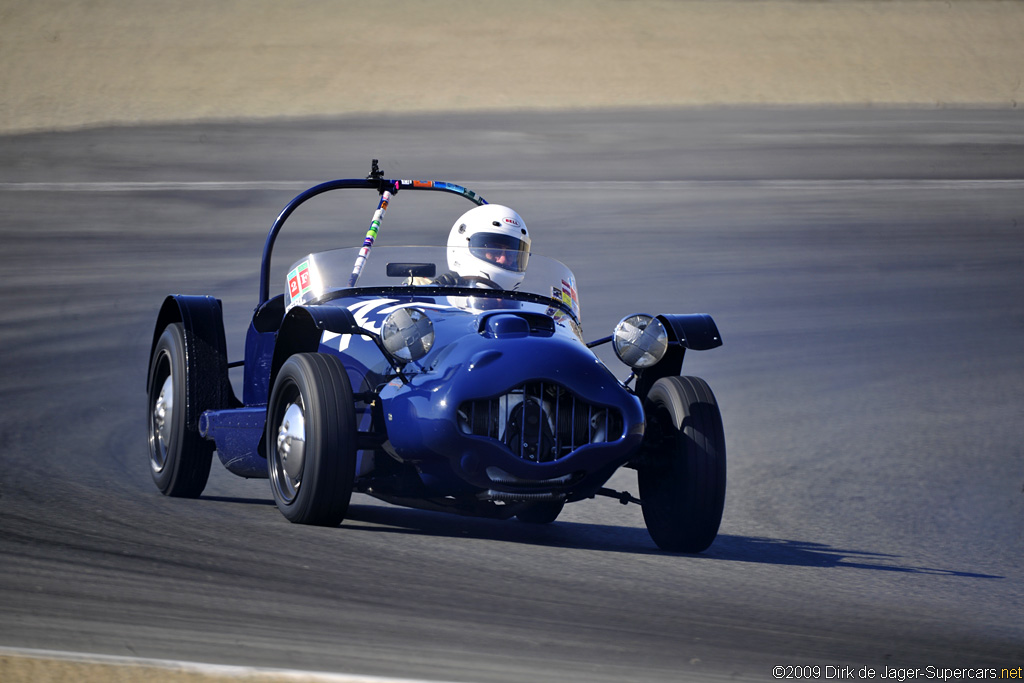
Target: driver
x=488, y=246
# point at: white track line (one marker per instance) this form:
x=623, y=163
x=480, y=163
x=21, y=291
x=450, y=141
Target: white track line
x=560, y=185
x=220, y=670
x=158, y=186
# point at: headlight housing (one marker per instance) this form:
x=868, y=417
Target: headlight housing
x=407, y=334
x=640, y=341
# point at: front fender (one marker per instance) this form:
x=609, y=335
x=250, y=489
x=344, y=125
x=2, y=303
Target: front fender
x=696, y=331
x=302, y=329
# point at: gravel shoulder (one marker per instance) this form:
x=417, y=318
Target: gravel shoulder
x=68, y=65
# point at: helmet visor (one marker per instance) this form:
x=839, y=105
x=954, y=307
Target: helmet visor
x=504, y=251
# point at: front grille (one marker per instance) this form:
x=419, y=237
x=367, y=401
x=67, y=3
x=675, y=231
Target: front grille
x=540, y=421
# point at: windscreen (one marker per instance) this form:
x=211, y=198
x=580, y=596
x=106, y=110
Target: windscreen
x=319, y=275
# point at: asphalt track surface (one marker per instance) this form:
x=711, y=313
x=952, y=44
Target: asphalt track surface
x=864, y=268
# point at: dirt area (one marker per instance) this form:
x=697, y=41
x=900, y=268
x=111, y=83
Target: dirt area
x=40, y=669
x=66, y=65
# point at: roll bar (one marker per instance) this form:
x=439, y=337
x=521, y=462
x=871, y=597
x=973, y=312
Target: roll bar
x=374, y=181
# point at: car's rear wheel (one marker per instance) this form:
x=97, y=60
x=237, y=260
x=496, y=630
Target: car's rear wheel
x=310, y=439
x=682, y=476
x=179, y=457
x=543, y=512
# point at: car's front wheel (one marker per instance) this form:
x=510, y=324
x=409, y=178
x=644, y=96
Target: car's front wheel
x=682, y=475
x=310, y=439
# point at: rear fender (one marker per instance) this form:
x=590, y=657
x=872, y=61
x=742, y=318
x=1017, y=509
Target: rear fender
x=205, y=346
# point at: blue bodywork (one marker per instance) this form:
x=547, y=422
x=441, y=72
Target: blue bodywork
x=509, y=405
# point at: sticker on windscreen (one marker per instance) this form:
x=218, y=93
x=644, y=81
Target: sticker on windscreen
x=299, y=281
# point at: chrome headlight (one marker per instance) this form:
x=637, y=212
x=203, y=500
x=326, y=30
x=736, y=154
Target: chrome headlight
x=640, y=341
x=407, y=334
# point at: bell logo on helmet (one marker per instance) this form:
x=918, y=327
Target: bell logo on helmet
x=512, y=221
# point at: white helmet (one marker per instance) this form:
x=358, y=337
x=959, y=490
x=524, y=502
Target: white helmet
x=498, y=245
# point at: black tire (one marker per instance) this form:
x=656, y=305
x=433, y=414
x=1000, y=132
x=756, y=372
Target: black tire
x=315, y=487
x=179, y=457
x=541, y=513
x=682, y=477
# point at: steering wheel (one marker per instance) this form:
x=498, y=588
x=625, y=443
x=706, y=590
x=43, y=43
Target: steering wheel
x=480, y=282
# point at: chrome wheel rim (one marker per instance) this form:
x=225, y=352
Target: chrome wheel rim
x=162, y=421
x=289, y=451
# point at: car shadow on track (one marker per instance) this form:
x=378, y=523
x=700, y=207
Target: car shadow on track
x=560, y=534
x=625, y=539
x=809, y=554
x=245, y=501
x=616, y=539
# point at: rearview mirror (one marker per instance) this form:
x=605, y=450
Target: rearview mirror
x=412, y=270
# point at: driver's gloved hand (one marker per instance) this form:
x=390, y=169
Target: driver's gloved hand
x=449, y=279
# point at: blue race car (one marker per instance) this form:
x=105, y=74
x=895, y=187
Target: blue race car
x=443, y=378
